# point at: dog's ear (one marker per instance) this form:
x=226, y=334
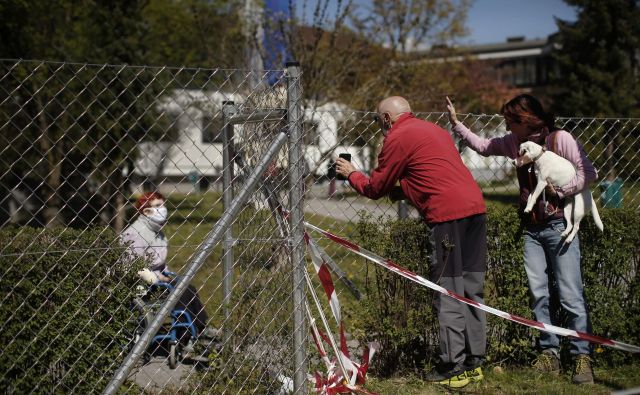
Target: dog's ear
x=523, y=149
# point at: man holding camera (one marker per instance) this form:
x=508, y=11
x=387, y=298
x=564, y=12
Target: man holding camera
x=423, y=158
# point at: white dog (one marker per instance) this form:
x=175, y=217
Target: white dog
x=553, y=169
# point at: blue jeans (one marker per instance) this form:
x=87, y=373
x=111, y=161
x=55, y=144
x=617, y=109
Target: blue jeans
x=554, y=274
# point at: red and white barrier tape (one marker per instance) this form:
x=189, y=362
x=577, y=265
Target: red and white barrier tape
x=335, y=377
x=318, y=336
x=392, y=266
x=336, y=382
x=351, y=374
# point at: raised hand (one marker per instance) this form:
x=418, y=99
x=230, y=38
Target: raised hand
x=452, y=112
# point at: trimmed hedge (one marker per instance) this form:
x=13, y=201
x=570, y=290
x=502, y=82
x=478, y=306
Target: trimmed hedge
x=399, y=313
x=65, y=308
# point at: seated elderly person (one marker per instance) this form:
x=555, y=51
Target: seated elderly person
x=144, y=238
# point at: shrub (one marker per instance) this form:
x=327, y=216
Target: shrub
x=65, y=305
x=399, y=313
x=610, y=263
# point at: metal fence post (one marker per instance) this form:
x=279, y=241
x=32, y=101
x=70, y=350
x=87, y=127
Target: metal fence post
x=403, y=210
x=296, y=183
x=228, y=110
x=204, y=250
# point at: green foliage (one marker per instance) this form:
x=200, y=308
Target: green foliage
x=193, y=33
x=399, y=314
x=598, y=60
x=506, y=288
x=611, y=262
x=166, y=32
x=65, y=297
x=597, y=76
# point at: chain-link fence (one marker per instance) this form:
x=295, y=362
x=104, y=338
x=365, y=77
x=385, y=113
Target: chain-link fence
x=82, y=143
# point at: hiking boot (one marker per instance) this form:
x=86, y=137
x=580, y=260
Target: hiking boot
x=448, y=374
x=473, y=367
x=583, y=373
x=547, y=362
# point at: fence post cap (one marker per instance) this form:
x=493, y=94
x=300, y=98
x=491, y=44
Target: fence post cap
x=292, y=63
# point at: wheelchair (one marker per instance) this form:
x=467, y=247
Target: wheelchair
x=176, y=335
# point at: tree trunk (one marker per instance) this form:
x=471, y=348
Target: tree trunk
x=52, y=171
x=120, y=203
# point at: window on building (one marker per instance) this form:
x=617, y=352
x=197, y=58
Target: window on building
x=519, y=72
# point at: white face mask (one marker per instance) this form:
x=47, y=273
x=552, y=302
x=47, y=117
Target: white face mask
x=158, y=214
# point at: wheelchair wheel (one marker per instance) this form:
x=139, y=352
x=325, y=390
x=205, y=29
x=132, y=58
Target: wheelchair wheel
x=173, y=356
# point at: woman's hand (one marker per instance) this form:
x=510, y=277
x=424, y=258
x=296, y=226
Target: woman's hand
x=452, y=112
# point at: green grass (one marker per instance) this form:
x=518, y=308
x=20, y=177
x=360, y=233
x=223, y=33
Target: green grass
x=192, y=218
x=517, y=381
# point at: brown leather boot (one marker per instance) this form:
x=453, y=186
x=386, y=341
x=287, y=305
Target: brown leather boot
x=547, y=362
x=583, y=373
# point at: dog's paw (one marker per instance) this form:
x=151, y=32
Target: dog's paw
x=527, y=210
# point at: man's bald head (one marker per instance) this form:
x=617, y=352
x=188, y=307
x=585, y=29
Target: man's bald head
x=394, y=106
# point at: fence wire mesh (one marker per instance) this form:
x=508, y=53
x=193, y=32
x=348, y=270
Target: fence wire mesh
x=80, y=143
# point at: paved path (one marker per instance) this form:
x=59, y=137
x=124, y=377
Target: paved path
x=346, y=207
x=156, y=375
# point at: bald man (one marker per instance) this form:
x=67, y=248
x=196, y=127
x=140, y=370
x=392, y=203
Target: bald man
x=423, y=158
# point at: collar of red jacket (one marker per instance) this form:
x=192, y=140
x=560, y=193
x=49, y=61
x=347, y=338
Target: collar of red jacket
x=401, y=119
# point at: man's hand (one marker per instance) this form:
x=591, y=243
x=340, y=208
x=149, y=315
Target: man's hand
x=344, y=167
x=452, y=112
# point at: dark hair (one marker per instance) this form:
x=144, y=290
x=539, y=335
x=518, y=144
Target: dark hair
x=144, y=200
x=527, y=110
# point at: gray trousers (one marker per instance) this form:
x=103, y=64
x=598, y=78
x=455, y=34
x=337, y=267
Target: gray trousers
x=458, y=264
x=462, y=327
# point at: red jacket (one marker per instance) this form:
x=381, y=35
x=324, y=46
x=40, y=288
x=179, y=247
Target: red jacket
x=424, y=158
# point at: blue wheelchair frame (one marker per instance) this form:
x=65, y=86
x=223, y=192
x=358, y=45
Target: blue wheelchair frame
x=180, y=318
x=176, y=322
